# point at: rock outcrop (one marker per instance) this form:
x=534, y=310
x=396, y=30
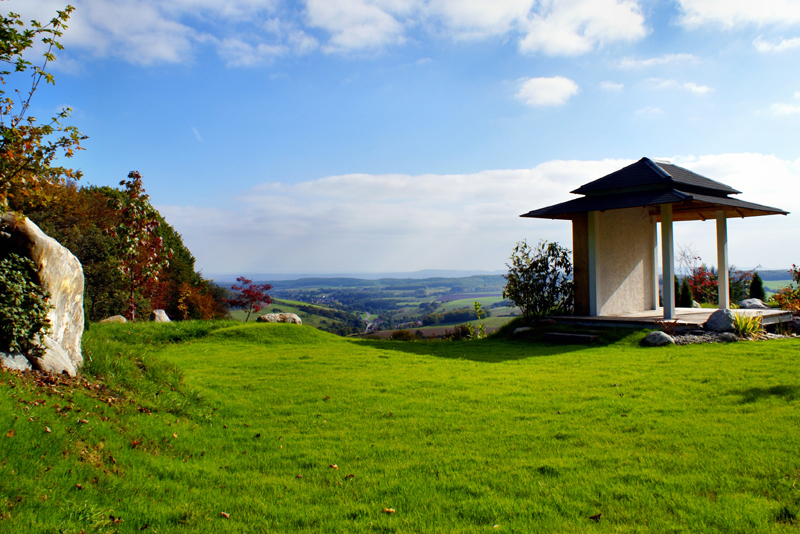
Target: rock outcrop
x=60, y=273
x=279, y=318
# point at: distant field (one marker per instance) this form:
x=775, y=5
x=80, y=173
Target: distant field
x=774, y=285
x=469, y=302
x=463, y=296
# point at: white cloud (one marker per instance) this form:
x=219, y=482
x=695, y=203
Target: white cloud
x=357, y=25
x=785, y=109
x=658, y=83
x=668, y=59
x=649, y=111
x=729, y=14
x=784, y=44
x=542, y=92
x=612, y=86
x=379, y=223
x=479, y=18
x=570, y=27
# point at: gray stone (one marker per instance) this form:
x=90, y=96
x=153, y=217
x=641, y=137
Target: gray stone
x=114, y=319
x=159, y=316
x=720, y=321
x=55, y=359
x=727, y=337
x=752, y=304
x=522, y=330
x=658, y=339
x=279, y=318
x=794, y=324
x=14, y=361
x=696, y=304
x=59, y=272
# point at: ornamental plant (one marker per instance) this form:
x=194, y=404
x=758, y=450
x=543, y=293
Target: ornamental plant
x=788, y=298
x=250, y=297
x=23, y=307
x=539, y=280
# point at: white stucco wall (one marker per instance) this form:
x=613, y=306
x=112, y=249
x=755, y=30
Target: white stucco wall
x=624, y=241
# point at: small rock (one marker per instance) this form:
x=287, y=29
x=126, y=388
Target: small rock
x=14, y=361
x=114, y=319
x=727, y=337
x=658, y=339
x=159, y=316
x=522, y=330
x=55, y=359
x=696, y=304
x=752, y=304
x=279, y=318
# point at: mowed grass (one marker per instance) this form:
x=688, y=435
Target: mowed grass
x=479, y=436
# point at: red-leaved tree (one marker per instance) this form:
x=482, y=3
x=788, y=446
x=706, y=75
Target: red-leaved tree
x=142, y=254
x=251, y=296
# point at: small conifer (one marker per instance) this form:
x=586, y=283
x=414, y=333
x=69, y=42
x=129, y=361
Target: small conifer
x=757, y=288
x=685, y=297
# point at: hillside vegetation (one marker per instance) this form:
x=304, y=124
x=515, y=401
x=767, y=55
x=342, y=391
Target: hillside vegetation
x=224, y=427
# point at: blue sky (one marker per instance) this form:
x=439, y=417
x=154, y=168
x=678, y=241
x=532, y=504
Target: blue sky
x=356, y=136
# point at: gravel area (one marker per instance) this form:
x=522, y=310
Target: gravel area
x=717, y=337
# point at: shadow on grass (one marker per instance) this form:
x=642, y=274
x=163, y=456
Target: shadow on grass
x=506, y=347
x=787, y=393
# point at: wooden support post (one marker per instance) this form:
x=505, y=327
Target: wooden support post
x=667, y=262
x=723, y=281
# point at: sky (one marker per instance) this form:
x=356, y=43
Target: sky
x=364, y=136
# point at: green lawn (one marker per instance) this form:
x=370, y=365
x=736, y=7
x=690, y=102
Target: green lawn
x=453, y=436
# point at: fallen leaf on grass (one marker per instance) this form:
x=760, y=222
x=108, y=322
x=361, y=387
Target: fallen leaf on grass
x=83, y=421
x=388, y=510
x=10, y=433
x=350, y=476
x=47, y=429
x=299, y=476
x=333, y=466
x=78, y=486
x=115, y=519
x=175, y=435
x=596, y=517
x=225, y=515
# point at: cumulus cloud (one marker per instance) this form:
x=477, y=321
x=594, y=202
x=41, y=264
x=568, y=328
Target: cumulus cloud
x=765, y=46
x=570, y=27
x=543, y=92
x=658, y=83
x=251, y=32
x=398, y=222
x=667, y=59
x=697, y=13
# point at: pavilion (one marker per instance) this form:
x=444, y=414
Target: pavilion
x=615, y=236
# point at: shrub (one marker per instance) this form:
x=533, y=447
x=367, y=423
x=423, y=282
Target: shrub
x=788, y=298
x=756, y=288
x=539, y=281
x=403, y=335
x=23, y=307
x=685, y=297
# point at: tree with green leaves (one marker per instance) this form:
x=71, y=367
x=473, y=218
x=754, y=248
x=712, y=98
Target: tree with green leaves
x=28, y=148
x=539, y=280
x=685, y=297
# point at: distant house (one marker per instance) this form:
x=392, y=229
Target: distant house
x=615, y=236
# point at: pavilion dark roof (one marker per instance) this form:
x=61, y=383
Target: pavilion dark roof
x=649, y=183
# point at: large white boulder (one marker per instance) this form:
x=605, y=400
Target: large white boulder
x=60, y=273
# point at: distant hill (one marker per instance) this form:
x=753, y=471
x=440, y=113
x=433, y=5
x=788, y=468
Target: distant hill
x=415, y=275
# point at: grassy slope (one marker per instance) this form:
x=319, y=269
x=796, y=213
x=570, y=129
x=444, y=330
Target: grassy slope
x=456, y=437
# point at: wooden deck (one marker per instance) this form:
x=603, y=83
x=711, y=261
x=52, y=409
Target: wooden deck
x=687, y=318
